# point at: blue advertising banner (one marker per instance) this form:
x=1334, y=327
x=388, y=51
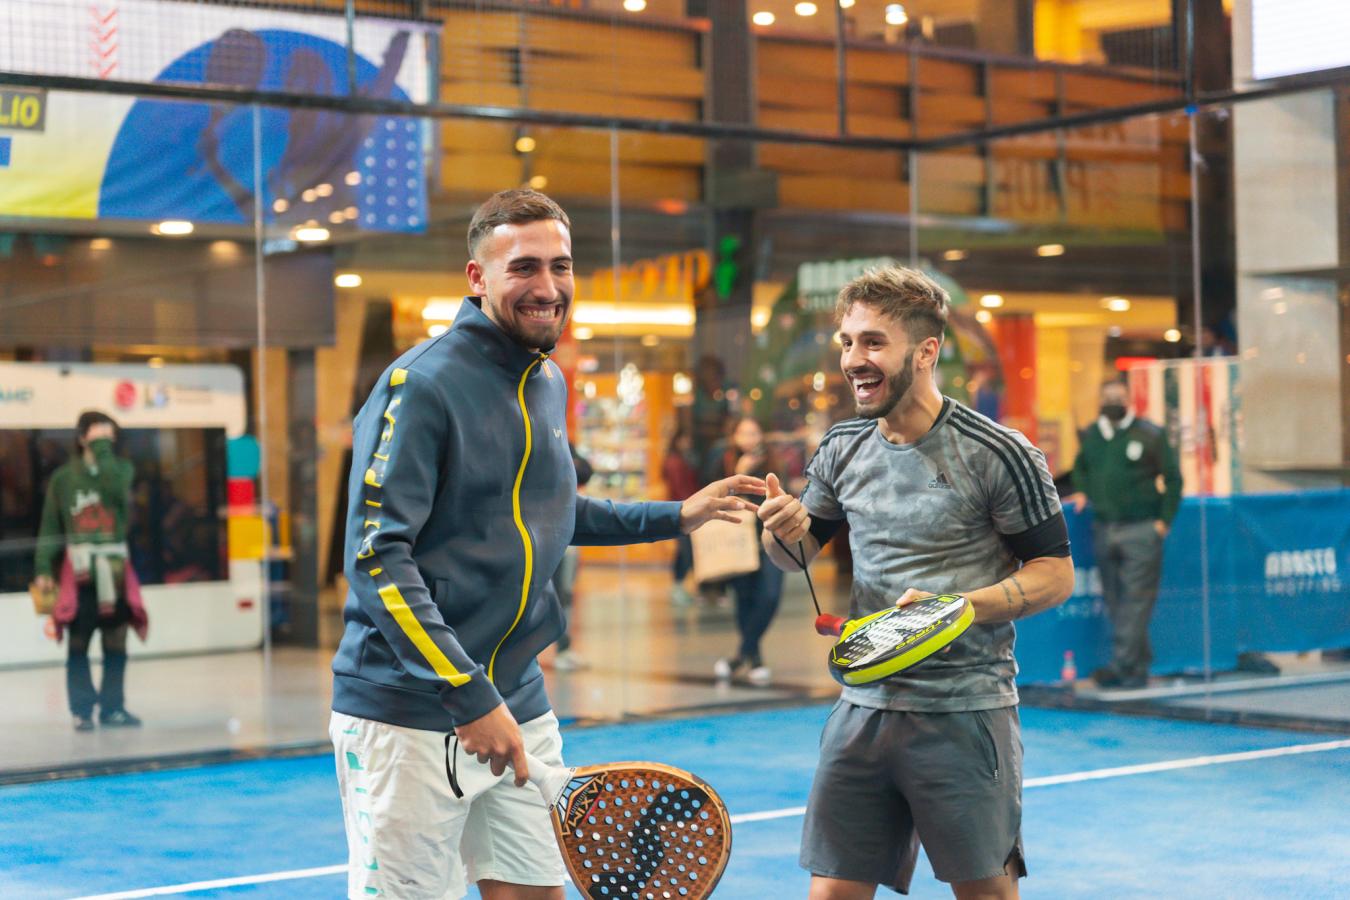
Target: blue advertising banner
x=1274, y=570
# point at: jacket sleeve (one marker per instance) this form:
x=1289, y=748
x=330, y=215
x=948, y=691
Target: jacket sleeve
x=401, y=456
x=1080, y=465
x=1171, y=473
x=606, y=523
x=50, y=538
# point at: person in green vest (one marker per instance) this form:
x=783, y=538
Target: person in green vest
x=84, y=526
x=1120, y=459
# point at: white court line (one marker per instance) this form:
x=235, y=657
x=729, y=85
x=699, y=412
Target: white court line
x=1170, y=765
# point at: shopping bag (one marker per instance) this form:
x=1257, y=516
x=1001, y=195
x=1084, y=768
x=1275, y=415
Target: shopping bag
x=724, y=550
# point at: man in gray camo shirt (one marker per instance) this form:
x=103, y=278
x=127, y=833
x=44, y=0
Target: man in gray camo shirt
x=938, y=499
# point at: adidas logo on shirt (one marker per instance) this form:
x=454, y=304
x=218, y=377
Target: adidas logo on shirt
x=941, y=482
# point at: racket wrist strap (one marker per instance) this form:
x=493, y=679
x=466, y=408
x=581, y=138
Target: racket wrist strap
x=801, y=561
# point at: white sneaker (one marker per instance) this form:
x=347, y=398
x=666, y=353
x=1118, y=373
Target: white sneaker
x=760, y=675
x=723, y=669
x=568, y=661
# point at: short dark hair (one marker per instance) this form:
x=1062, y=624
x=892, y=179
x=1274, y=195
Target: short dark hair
x=513, y=207
x=88, y=419
x=908, y=296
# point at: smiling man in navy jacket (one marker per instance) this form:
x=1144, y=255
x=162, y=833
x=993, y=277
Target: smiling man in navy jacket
x=462, y=499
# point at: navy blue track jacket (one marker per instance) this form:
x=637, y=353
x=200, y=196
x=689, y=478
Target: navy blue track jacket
x=462, y=500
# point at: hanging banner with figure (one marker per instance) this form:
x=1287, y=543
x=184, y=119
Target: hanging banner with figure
x=88, y=156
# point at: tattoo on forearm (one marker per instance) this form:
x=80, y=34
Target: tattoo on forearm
x=1025, y=602
x=1006, y=595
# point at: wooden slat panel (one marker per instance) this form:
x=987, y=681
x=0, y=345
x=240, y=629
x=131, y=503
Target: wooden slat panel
x=1006, y=111
x=835, y=192
x=598, y=40
x=828, y=123
x=946, y=75
x=1098, y=91
x=793, y=92
x=787, y=59
x=944, y=107
x=460, y=135
x=564, y=100
x=477, y=172
x=1023, y=84
x=636, y=183
x=949, y=199
x=950, y=168
x=886, y=67
x=480, y=94
x=797, y=159
x=653, y=80
x=634, y=147
x=465, y=28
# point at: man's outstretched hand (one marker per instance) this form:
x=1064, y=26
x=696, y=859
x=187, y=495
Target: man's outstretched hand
x=783, y=514
x=716, y=501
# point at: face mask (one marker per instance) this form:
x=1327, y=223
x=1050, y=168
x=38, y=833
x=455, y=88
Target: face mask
x=1113, y=411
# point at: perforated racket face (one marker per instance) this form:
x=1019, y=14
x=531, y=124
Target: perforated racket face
x=899, y=638
x=637, y=830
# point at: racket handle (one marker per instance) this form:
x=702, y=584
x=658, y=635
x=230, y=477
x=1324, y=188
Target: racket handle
x=550, y=780
x=828, y=625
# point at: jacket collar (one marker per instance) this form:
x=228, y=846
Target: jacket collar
x=1109, y=430
x=490, y=340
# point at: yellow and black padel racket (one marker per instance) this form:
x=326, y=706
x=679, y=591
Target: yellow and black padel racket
x=884, y=643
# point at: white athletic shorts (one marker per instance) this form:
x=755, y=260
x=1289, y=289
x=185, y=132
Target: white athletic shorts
x=410, y=838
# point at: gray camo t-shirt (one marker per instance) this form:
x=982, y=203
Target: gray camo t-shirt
x=930, y=515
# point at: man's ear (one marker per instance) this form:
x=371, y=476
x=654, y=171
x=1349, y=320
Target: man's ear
x=477, y=284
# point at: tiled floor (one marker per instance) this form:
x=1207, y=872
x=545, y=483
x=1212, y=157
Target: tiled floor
x=646, y=656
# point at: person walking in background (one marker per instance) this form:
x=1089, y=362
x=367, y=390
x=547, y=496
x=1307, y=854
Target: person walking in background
x=565, y=579
x=757, y=593
x=85, y=518
x=681, y=480
x=1120, y=459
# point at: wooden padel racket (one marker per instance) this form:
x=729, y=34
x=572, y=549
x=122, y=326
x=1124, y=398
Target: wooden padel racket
x=638, y=830
x=894, y=639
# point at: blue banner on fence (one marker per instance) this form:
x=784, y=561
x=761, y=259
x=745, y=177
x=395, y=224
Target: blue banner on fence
x=1274, y=568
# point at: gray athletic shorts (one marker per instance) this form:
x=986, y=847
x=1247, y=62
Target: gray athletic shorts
x=889, y=779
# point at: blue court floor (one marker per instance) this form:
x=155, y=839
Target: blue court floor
x=1115, y=807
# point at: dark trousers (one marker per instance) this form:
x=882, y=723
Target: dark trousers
x=684, y=557
x=757, y=597
x=79, y=677
x=1129, y=555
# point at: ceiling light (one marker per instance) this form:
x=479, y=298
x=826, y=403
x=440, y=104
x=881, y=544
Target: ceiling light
x=763, y=18
x=347, y=280
x=1050, y=250
x=437, y=330
x=805, y=9
x=846, y=4
x=1116, y=304
x=583, y=333
x=991, y=301
x=1172, y=336
x=635, y=5
x=539, y=182
x=895, y=14
x=650, y=340
x=525, y=144
x=173, y=228
x=443, y=310
x=591, y=313
x=955, y=255
x=310, y=233
x=984, y=317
